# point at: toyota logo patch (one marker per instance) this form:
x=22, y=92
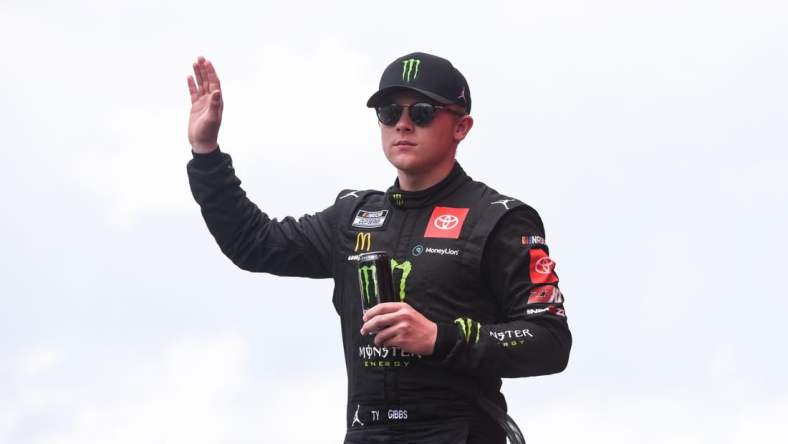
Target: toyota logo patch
x=446, y=222
x=542, y=268
x=544, y=265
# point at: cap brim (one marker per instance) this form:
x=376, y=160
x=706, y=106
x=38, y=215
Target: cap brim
x=376, y=98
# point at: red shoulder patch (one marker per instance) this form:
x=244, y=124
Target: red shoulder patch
x=446, y=222
x=542, y=268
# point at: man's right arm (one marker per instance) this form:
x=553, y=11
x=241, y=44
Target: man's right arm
x=244, y=233
x=247, y=235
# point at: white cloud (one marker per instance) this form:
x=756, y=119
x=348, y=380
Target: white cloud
x=191, y=389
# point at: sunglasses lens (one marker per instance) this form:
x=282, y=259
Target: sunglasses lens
x=422, y=113
x=389, y=114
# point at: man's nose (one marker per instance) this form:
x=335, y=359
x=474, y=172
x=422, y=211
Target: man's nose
x=404, y=124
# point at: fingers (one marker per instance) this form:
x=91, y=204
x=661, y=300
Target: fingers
x=192, y=88
x=205, y=80
x=213, y=78
x=204, y=73
x=385, y=307
x=380, y=322
x=388, y=336
x=198, y=76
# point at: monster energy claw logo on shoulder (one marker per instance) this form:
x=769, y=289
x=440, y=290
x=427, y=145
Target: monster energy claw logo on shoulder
x=466, y=328
x=410, y=69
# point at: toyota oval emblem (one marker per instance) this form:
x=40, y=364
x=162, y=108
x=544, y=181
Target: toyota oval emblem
x=544, y=265
x=446, y=222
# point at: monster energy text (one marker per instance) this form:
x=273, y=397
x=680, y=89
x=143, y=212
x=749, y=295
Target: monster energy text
x=512, y=338
x=374, y=356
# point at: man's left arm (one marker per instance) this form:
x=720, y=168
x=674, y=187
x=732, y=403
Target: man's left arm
x=532, y=336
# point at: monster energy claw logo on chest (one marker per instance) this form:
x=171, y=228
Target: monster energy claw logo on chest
x=375, y=279
x=410, y=69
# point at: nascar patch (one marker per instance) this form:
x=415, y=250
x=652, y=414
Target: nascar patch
x=541, y=267
x=533, y=240
x=546, y=294
x=370, y=219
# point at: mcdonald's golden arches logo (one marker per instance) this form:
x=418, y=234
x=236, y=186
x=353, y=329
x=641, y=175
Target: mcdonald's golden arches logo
x=363, y=242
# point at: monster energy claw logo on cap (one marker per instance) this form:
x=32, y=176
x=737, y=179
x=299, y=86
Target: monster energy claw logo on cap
x=410, y=69
x=435, y=78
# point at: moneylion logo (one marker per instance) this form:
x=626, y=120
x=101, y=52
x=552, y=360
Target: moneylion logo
x=410, y=69
x=363, y=242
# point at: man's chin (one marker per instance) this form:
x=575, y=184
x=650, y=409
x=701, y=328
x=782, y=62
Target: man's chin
x=406, y=164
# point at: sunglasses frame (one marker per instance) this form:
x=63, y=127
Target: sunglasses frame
x=410, y=108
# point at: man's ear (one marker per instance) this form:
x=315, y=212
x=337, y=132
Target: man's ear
x=463, y=126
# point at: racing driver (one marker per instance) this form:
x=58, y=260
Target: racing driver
x=477, y=289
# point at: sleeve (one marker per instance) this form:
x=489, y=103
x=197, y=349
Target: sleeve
x=247, y=236
x=531, y=336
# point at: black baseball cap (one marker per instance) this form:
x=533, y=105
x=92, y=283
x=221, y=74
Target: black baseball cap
x=430, y=75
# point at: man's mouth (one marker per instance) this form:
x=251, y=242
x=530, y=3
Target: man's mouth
x=404, y=143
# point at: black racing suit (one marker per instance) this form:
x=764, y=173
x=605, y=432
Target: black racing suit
x=469, y=259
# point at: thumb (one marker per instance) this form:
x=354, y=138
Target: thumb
x=216, y=99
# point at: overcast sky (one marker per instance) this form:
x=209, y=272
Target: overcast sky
x=650, y=136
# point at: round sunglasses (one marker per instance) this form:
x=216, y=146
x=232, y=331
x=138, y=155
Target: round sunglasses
x=421, y=113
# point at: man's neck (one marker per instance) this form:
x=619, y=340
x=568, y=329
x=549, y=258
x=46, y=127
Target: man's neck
x=422, y=181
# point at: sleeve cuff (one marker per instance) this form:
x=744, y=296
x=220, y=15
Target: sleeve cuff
x=448, y=335
x=207, y=160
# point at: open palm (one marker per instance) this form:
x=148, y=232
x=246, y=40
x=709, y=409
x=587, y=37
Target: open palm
x=207, y=105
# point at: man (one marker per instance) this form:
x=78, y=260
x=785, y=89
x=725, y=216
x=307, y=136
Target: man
x=478, y=295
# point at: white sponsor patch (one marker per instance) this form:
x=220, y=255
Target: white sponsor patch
x=558, y=311
x=370, y=219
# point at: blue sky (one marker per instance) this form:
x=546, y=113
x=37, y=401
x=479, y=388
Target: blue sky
x=651, y=137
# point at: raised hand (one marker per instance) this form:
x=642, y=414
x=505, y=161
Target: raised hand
x=207, y=105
